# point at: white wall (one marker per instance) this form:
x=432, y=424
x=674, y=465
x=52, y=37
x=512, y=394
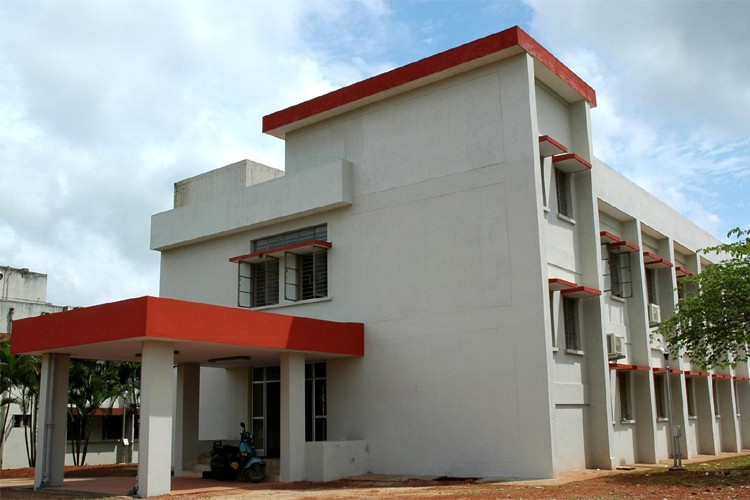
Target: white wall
x=439, y=256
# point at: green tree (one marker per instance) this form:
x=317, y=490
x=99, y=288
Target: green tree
x=711, y=324
x=7, y=362
x=92, y=384
x=19, y=384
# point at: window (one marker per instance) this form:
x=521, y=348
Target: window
x=690, y=393
x=570, y=317
x=316, y=411
x=651, y=286
x=736, y=398
x=717, y=409
x=305, y=266
x=552, y=318
x=21, y=420
x=306, y=275
x=112, y=427
x=259, y=283
x=661, y=407
x=319, y=233
x=623, y=386
x=562, y=182
x=618, y=265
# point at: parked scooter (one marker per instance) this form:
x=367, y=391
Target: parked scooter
x=227, y=462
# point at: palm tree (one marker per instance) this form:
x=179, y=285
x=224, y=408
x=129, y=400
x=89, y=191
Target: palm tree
x=91, y=385
x=7, y=363
x=19, y=384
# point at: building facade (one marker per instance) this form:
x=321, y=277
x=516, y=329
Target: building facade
x=507, y=279
x=443, y=280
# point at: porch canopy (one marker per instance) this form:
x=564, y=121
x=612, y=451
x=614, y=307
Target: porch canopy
x=201, y=333
x=162, y=333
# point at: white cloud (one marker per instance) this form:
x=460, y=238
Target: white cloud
x=106, y=104
x=671, y=81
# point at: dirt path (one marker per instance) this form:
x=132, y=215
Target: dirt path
x=722, y=481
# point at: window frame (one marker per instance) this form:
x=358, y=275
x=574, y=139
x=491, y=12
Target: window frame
x=553, y=295
x=270, y=286
x=652, y=287
x=715, y=397
x=316, y=401
x=660, y=398
x=625, y=403
x=618, y=266
x=563, y=189
x=690, y=397
x=571, y=324
x=305, y=282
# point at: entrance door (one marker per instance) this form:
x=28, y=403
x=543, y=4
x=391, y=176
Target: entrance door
x=266, y=410
x=266, y=407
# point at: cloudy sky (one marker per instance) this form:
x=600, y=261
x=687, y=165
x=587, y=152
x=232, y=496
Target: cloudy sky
x=105, y=103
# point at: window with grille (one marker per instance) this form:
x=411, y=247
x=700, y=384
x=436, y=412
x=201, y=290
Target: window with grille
x=661, y=409
x=562, y=184
x=570, y=318
x=259, y=283
x=623, y=386
x=302, y=256
x=319, y=233
x=618, y=267
x=306, y=275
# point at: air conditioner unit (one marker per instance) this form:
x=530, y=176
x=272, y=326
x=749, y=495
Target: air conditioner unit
x=615, y=348
x=654, y=314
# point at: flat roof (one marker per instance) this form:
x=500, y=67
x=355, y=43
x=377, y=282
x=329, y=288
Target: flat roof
x=200, y=332
x=457, y=60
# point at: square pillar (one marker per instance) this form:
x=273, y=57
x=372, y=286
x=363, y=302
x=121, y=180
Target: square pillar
x=292, y=417
x=186, y=444
x=157, y=401
x=53, y=421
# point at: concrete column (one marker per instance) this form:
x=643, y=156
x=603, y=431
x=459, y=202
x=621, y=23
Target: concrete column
x=292, y=417
x=157, y=400
x=53, y=406
x=186, y=444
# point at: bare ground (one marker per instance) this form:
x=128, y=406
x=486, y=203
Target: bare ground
x=724, y=479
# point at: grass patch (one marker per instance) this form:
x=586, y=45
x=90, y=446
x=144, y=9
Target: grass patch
x=734, y=471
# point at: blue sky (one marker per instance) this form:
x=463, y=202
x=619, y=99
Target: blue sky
x=104, y=105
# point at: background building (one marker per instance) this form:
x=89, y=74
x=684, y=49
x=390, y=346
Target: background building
x=24, y=295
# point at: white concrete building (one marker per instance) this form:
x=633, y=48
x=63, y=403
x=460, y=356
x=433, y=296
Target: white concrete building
x=506, y=282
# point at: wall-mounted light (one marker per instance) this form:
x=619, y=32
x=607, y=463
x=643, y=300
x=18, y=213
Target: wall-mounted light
x=230, y=360
x=138, y=354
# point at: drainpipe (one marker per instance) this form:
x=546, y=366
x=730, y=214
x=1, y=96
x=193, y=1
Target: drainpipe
x=10, y=319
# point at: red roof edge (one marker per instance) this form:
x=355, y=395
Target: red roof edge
x=431, y=65
x=536, y=50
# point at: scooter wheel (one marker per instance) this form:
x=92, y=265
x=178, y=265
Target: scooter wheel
x=255, y=473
